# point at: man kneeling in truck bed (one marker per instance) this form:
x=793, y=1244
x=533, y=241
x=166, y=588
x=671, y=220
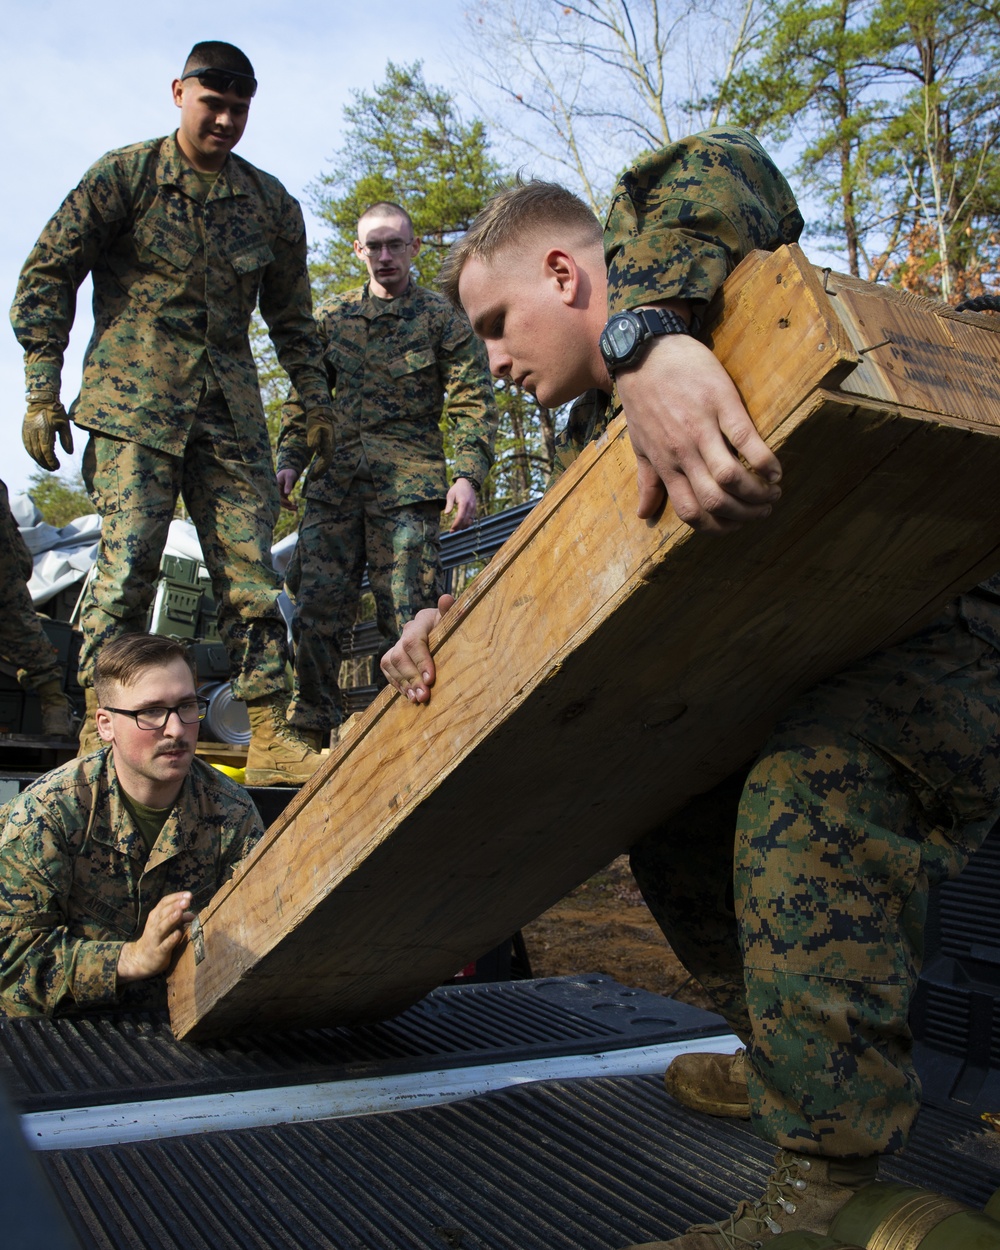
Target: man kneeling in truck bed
x=104, y=860
x=796, y=893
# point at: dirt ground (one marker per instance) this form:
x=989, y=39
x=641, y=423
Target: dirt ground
x=604, y=926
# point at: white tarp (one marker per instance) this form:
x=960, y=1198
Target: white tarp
x=61, y=556
x=64, y=556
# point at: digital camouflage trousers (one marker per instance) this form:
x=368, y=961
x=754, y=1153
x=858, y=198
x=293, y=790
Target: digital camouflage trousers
x=233, y=503
x=797, y=892
x=403, y=554
x=22, y=639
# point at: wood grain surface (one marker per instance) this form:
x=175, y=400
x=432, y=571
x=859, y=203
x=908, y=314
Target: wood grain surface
x=602, y=669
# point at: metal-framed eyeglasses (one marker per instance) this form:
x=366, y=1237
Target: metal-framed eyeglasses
x=189, y=712
x=395, y=247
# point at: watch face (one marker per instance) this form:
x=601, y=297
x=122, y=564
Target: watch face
x=620, y=338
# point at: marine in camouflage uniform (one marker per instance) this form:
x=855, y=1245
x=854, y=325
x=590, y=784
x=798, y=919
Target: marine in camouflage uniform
x=179, y=260
x=390, y=364
x=22, y=639
x=77, y=883
x=874, y=786
x=796, y=891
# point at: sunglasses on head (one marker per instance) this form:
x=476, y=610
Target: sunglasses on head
x=223, y=80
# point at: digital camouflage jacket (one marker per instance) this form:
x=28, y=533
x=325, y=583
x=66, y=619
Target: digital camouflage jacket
x=22, y=639
x=681, y=219
x=177, y=272
x=391, y=365
x=75, y=881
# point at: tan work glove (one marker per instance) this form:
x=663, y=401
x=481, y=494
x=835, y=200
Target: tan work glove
x=45, y=418
x=320, y=439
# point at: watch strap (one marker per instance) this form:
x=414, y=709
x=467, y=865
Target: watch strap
x=646, y=324
x=662, y=321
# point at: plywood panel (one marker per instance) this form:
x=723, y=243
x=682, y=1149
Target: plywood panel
x=917, y=352
x=600, y=672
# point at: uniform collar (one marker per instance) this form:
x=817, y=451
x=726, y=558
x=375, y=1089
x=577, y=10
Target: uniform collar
x=372, y=306
x=123, y=835
x=173, y=170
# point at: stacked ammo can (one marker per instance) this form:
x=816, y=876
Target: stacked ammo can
x=184, y=608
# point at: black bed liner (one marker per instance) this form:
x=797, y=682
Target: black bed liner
x=593, y=1163
x=54, y=1064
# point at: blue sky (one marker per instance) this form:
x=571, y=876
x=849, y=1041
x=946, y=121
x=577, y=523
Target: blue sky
x=84, y=77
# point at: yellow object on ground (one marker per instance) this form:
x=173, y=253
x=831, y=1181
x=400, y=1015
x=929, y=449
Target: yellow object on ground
x=239, y=775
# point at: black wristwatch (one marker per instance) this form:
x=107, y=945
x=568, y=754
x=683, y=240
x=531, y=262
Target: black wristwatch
x=625, y=335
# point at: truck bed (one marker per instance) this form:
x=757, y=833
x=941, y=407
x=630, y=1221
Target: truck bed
x=489, y=1116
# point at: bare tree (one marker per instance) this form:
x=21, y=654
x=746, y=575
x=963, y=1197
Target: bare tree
x=952, y=119
x=894, y=106
x=585, y=86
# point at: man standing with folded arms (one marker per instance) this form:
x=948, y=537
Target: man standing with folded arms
x=183, y=240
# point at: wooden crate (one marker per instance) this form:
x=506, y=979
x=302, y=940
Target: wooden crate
x=602, y=669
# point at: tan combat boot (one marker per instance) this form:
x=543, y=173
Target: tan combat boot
x=90, y=739
x=57, y=711
x=278, y=754
x=316, y=738
x=804, y=1193
x=313, y=738
x=713, y=1084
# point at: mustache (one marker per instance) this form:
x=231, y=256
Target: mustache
x=171, y=746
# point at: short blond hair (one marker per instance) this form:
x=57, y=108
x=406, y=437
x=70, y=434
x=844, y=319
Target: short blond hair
x=386, y=208
x=509, y=215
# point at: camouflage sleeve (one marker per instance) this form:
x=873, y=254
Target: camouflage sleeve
x=683, y=217
x=67, y=249
x=286, y=306
x=292, y=451
x=44, y=967
x=238, y=840
x=470, y=406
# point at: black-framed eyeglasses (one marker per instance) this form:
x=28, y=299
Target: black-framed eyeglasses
x=190, y=711
x=395, y=247
x=223, y=80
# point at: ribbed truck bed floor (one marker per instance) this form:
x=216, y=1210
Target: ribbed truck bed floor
x=591, y=1164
